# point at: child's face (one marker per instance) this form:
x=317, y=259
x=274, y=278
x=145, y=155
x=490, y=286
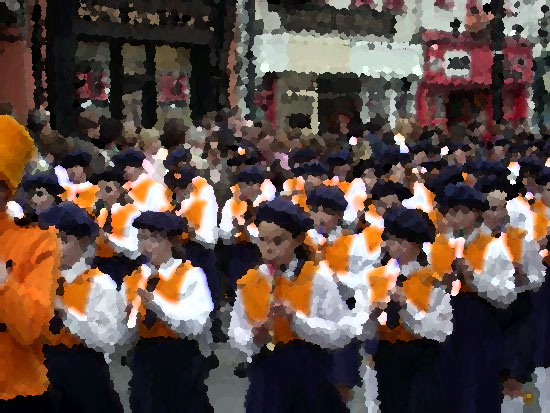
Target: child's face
x=496, y=216
x=154, y=246
x=39, y=199
x=249, y=191
x=72, y=249
x=109, y=192
x=398, y=247
x=324, y=220
x=276, y=244
x=77, y=174
x=131, y=173
x=460, y=218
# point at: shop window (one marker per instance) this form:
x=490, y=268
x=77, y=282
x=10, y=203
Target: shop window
x=173, y=89
x=92, y=86
x=299, y=120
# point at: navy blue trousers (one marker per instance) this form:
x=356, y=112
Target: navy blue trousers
x=472, y=358
x=292, y=378
x=168, y=377
x=79, y=381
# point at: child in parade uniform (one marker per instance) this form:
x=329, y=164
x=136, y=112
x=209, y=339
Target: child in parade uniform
x=29, y=260
x=170, y=306
x=237, y=228
x=286, y=311
x=73, y=172
x=89, y=324
x=415, y=314
x=39, y=192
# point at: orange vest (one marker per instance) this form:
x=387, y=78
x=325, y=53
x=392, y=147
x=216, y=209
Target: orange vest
x=26, y=306
x=256, y=293
x=83, y=195
x=417, y=289
x=169, y=289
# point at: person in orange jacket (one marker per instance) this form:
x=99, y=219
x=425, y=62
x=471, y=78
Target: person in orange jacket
x=29, y=260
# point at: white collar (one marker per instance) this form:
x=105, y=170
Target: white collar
x=167, y=268
x=288, y=273
x=78, y=267
x=409, y=268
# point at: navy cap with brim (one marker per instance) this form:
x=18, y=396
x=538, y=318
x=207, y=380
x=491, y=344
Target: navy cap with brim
x=408, y=224
x=184, y=177
x=328, y=197
x=283, y=213
x=70, y=219
x=176, y=156
x=160, y=222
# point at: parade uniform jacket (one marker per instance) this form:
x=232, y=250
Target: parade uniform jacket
x=428, y=311
x=84, y=194
x=234, y=210
x=319, y=314
x=531, y=215
x=122, y=237
x=30, y=257
x=181, y=300
x=200, y=210
x=149, y=194
x=94, y=310
x=355, y=193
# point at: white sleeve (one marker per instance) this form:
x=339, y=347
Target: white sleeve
x=357, y=190
x=240, y=330
x=102, y=327
x=496, y=282
x=359, y=258
x=358, y=287
x=532, y=266
x=208, y=232
x=189, y=316
x=330, y=323
x=520, y=216
x=226, y=223
x=434, y=324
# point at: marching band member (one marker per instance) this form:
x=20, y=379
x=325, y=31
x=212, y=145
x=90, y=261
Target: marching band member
x=307, y=176
x=171, y=305
x=90, y=318
x=39, y=192
x=194, y=200
x=29, y=260
x=147, y=193
x=416, y=317
x=73, y=172
x=288, y=309
x=237, y=228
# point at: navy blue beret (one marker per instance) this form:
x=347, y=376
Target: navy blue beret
x=250, y=174
x=164, y=222
x=184, y=178
x=70, y=219
x=410, y=224
x=328, y=197
x=456, y=195
x=340, y=158
x=544, y=176
x=108, y=175
x=46, y=180
x=302, y=155
x=382, y=189
x=282, y=212
x=180, y=154
x=490, y=183
x=76, y=158
x=312, y=168
x=448, y=175
x=129, y=157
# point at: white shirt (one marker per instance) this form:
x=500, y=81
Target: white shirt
x=330, y=324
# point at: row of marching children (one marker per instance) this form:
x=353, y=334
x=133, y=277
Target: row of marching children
x=417, y=280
